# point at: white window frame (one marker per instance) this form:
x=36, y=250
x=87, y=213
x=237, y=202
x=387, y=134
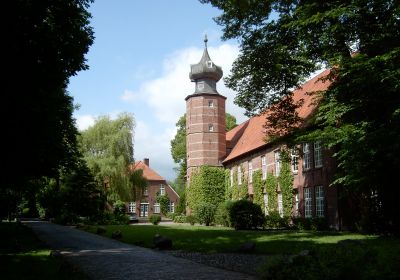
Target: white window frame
x=146, y=191
x=239, y=175
x=264, y=167
x=171, y=207
x=250, y=165
x=319, y=202
x=157, y=209
x=294, y=155
x=210, y=127
x=162, y=189
x=132, y=207
x=277, y=157
x=306, y=157
x=308, y=202
x=296, y=204
x=280, y=205
x=317, y=154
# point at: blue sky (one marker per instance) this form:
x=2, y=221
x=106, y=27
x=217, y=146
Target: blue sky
x=140, y=62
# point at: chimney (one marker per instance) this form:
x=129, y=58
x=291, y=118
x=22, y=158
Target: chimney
x=146, y=161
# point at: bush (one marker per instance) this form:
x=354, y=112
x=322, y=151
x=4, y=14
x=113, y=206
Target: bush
x=222, y=214
x=119, y=208
x=311, y=223
x=180, y=219
x=273, y=220
x=205, y=213
x=171, y=215
x=191, y=219
x=245, y=214
x=155, y=219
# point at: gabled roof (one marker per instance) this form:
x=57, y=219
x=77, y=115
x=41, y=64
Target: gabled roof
x=250, y=135
x=148, y=173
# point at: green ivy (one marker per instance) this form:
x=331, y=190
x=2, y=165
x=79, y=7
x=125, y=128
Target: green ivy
x=271, y=184
x=207, y=184
x=258, y=189
x=164, y=203
x=285, y=180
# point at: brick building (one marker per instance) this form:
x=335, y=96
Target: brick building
x=146, y=204
x=245, y=148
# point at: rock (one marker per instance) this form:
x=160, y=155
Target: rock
x=101, y=230
x=162, y=242
x=304, y=253
x=116, y=234
x=55, y=254
x=247, y=247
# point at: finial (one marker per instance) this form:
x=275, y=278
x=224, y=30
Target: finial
x=205, y=40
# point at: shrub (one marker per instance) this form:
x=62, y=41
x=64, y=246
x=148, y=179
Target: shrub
x=180, y=219
x=119, y=208
x=171, y=215
x=164, y=203
x=274, y=220
x=311, y=223
x=205, y=213
x=155, y=219
x=191, y=219
x=222, y=214
x=245, y=214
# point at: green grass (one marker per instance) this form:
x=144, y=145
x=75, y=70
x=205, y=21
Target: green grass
x=23, y=256
x=218, y=239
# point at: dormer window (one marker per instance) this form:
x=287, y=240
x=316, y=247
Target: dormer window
x=200, y=85
x=209, y=64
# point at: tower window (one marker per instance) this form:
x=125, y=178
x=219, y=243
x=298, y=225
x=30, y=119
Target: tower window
x=209, y=64
x=210, y=103
x=210, y=128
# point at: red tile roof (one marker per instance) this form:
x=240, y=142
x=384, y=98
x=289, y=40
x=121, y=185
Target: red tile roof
x=250, y=135
x=148, y=173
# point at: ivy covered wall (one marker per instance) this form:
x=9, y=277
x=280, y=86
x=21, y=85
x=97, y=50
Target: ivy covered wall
x=207, y=184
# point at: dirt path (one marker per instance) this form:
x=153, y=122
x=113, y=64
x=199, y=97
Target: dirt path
x=103, y=258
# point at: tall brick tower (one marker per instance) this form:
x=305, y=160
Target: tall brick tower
x=205, y=116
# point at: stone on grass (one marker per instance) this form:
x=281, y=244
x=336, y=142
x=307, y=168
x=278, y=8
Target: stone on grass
x=247, y=247
x=116, y=234
x=162, y=242
x=101, y=230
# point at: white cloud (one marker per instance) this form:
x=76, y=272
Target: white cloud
x=166, y=94
x=85, y=121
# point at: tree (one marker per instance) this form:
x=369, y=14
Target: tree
x=178, y=145
x=108, y=150
x=284, y=42
x=45, y=45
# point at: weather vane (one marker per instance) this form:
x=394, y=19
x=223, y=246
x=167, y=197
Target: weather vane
x=205, y=40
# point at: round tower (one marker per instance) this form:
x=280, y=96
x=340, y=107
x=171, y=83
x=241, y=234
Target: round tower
x=205, y=116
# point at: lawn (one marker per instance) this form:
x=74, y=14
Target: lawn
x=23, y=256
x=220, y=239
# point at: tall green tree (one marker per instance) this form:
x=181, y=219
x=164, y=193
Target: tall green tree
x=44, y=45
x=284, y=42
x=107, y=147
x=178, y=145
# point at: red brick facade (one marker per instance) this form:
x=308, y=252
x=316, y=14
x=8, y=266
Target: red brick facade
x=146, y=204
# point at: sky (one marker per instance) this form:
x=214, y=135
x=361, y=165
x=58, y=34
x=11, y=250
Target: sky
x=139, y=63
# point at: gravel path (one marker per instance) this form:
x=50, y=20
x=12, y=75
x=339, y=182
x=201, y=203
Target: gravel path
x=103, y=258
